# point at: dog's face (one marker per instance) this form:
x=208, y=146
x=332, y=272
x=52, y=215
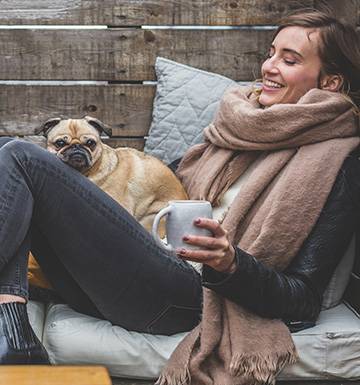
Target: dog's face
x=75, y=141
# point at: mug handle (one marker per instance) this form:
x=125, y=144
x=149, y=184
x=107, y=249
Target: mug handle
x=155, y=226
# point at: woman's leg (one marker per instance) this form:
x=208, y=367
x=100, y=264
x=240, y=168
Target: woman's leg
x=18, y=342
x=13, y=277
x=109, y=256
x=14, y=284
x=69, y=288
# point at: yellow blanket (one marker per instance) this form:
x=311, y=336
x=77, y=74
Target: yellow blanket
x=35, y=276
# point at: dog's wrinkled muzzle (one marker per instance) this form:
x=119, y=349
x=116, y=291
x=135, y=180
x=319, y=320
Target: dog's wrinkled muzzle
x=77, y=157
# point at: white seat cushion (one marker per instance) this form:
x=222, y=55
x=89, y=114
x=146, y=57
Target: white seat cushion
x=36, y=313
x=74, y=338
x=329, y=350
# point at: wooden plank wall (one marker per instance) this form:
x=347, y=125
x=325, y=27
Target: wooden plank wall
x=121, y=55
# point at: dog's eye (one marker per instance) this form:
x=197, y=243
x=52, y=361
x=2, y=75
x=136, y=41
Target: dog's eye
x=90, y=142
x=60, y=143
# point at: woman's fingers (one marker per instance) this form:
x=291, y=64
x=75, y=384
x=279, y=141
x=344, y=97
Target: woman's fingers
x=212, y=225
x=206, y=242
x=201, y=256
x=215, y=251
x=219, y=259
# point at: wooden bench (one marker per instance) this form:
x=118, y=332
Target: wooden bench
x=106, y=68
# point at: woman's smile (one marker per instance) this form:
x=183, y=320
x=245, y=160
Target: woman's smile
x=271, y=85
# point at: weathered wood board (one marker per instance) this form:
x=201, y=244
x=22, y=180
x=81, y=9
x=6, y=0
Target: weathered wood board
x=147, y=12
x=127, y=54
x=137, y=143
x=152, y=12
x=126, y=108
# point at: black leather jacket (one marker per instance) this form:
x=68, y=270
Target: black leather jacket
x=295, y=295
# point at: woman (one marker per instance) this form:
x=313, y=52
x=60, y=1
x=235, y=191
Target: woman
x=295, y=150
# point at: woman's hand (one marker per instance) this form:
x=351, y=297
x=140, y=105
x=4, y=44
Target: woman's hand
x=216, y=251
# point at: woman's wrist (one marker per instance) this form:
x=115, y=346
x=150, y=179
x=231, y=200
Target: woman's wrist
x=233, y=264
x=214, y=277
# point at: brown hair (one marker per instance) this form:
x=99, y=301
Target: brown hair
x=339, y=50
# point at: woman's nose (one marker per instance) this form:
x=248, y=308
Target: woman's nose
x=270, y=65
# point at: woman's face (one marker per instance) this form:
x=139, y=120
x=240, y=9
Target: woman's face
x=292, y=67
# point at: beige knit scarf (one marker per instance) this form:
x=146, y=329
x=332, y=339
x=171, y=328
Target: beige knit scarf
x=306, y=144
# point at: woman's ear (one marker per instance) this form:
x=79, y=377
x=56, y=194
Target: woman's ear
x=331, y=82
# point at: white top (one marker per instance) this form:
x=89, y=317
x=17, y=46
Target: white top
x=233, y=191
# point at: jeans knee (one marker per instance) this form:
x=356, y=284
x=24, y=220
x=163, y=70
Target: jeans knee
x=5, y=139
x=18, y=154
x=18, y=149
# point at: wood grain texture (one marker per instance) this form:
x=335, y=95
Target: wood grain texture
x=53, y=375
x=137, y=143
x=146, y=12
x=127, y=54
x=126, y=108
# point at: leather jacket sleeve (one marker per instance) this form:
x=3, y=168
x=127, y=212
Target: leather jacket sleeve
x=295, y=295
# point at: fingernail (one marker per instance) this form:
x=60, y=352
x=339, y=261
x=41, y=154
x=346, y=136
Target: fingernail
x=182, y=251
x=185, y=238
x=197, y=221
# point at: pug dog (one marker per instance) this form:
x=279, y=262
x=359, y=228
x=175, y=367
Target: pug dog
x=142, y=184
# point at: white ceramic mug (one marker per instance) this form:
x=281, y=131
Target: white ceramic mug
x=180, y=217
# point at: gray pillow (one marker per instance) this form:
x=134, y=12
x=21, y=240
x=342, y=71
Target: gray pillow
x=185, y=103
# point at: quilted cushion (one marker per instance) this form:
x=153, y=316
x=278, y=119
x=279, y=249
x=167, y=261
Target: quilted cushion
x=185, y=103
x=329, y=350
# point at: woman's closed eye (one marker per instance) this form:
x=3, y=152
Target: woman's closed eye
x=290, y=62
x=287, y=61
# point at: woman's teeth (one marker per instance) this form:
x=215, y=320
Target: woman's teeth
x=272, y=84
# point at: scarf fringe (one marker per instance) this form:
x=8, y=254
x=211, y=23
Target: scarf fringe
x=177, y=377
x=262, y=369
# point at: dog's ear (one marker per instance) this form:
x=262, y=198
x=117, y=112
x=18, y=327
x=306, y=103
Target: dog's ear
x=100, y=126
x=47, y=126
